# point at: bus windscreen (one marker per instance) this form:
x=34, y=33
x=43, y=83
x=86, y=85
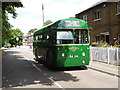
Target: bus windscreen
x=64, y=37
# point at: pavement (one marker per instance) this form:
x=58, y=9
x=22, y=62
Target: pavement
x=105, y=68
x=98, y=66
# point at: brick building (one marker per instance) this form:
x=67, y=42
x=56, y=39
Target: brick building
x=104, y=18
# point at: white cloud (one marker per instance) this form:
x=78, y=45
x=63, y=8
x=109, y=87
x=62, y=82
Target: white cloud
x=30, y=16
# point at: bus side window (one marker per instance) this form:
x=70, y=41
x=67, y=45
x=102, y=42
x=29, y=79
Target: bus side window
x=42, y=37
x=45, y=36
x=48, y=36
x=39, y=37
x=51, y=37
x=34, y=38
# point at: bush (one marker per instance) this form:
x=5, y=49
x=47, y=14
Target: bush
x=116, y=46
x=95, y=44
x=103, y=44
x=100, y=44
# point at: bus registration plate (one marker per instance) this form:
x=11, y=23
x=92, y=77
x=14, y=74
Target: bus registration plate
x=73, y=55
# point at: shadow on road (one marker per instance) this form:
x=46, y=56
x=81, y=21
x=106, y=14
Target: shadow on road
x=17, y=71
x=68, y=68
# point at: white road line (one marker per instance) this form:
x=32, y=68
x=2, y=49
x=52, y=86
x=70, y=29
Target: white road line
x=36, y=67
x=57, y=84
x=49, y=78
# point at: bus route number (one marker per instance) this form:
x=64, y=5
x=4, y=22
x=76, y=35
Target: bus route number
x=72, y=23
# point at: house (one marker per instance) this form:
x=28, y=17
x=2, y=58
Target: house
x=28, y=40
x=104, y=18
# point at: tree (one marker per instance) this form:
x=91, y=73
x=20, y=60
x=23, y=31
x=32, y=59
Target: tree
x=16, y=33
x=47, y=22
x=32, y=30
x=8, y=7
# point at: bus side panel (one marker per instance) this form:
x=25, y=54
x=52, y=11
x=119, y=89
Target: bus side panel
x=68, y=56
x=39, y=51
x=51, y=56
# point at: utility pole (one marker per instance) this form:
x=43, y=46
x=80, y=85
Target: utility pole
x=43, y=13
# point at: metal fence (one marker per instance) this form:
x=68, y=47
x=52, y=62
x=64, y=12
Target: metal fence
x=107, y=55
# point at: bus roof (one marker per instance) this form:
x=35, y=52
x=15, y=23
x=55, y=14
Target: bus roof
x=69, y=23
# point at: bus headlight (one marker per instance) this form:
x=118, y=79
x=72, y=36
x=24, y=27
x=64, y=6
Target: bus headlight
x=63, y=54
x=83, y=61
x=83, y=54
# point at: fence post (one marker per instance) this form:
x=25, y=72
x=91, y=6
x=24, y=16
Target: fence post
x=108, y=61
x=117, y=56
x=90, y=53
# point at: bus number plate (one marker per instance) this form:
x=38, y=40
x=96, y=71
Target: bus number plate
x=73, y=55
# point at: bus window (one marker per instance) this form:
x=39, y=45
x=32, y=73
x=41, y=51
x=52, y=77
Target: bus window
x=64, y=37
x=47, y=36
x=81, y=36
x=36, y=37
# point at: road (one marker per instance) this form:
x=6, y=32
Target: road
x=21, y=71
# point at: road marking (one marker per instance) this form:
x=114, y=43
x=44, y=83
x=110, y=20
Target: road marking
x=57, y=84
x=36, y=67
x=49, y=78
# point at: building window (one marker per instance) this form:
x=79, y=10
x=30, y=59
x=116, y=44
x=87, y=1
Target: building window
x=118, y=8
x=97, y=15
x=85, y=18
x=98, y=38
x=119, y=38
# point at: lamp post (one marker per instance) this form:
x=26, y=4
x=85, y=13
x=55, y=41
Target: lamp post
x=43, y=13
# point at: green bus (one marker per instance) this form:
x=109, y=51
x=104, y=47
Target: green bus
x=64, y=43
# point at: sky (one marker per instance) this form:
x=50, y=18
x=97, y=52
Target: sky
x=30, y=16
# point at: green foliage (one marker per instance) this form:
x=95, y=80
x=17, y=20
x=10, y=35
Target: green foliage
x=16, y=33
x=104, y=44
x=95, y=44
x=8, y=44
x=116, y=46
x=47, y=22
x=100, y=44
x=32, y=30
x=8, y=7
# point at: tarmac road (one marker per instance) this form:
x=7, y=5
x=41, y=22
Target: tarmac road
x=21, y=71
